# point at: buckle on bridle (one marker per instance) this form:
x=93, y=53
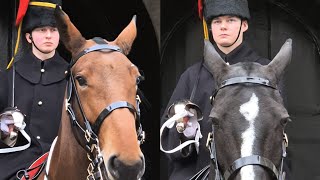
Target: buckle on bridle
x=141, y=136
x=138, y=98
x=209, y=139
x=87, y=135
x=285, y=139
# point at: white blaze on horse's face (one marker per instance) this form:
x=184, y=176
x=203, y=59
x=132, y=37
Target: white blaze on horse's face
x=250, y=111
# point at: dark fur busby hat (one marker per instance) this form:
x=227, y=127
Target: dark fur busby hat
x=215, y=8
x=39, y=15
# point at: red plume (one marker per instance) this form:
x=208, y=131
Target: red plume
x=23, y=6
x=200, y=8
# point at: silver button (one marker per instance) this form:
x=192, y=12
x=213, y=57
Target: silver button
x=40, y=103
x=66, y=72
x=42, y=70
x=38, y=137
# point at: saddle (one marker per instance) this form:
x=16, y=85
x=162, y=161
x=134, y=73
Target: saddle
x=35, y=168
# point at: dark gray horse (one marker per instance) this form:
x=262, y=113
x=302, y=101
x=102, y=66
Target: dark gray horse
x=248, y=117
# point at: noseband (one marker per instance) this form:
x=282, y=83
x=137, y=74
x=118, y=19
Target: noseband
x=91, y=132
x=243, y=161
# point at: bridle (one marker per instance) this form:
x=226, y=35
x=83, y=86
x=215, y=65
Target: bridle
x=248, y=160
x=91, y=144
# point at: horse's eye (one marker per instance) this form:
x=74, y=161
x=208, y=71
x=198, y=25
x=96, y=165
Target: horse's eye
x=284, y=121
x=214, y=121
x=139, y=79
x=81, y=80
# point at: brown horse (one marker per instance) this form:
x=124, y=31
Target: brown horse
x=102, y=87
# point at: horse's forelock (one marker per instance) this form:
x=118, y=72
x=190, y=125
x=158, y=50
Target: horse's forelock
x=246, y=69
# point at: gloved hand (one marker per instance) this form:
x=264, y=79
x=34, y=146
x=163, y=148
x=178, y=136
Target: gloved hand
x=11, y=121
x=6, y=127
x=185, y=115
x=191, y=124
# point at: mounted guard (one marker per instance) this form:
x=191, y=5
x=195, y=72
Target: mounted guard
x=35, y=84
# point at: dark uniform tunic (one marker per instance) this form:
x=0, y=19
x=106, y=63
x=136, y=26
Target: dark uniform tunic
x=39, y=92
x=182, y=167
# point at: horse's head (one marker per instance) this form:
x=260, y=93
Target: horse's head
x=248, y=115
x=106, y=83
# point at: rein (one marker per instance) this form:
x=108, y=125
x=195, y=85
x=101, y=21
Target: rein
x=91, y=144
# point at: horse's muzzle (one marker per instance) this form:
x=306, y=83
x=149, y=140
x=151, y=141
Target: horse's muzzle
x=121, y=171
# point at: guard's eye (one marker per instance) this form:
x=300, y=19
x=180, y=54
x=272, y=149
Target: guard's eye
x=81, y=80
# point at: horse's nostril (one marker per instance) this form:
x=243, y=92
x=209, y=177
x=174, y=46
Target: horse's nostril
x=112, y=166
x=120, y=170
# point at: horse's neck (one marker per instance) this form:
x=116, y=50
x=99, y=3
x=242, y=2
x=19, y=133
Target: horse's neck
x=68, y=158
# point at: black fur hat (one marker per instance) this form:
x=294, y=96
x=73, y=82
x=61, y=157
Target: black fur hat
x=215, y=8
x=39, y=16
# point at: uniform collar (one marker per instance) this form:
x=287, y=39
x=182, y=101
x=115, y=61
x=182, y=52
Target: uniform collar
x=242, y=53
x=45, y=72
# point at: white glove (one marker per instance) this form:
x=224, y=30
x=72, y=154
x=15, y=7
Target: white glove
x=15, y=119
x=18, y=120
x=5, y=122
x=192, y=125
x=10, y=124
x=192, y=128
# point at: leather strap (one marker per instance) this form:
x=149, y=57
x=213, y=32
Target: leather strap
x=250, y=160
x=105, y=112
x=241, y=80
x=97, y=47
x=101, y=45
x=246, y=79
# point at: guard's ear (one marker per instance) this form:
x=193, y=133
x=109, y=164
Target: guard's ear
x=127, y=36
x=69, y=34
x=216, y=65
x=28, y=37
x=281, y=60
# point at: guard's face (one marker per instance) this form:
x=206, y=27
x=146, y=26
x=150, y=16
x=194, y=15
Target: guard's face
x=45, y=38
x=225, y=30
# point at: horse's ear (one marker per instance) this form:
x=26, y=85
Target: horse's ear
x=69, y=34
x=282, y=59
x=213, y=61
x=127, y=36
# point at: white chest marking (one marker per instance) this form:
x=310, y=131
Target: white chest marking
x=250, y=111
